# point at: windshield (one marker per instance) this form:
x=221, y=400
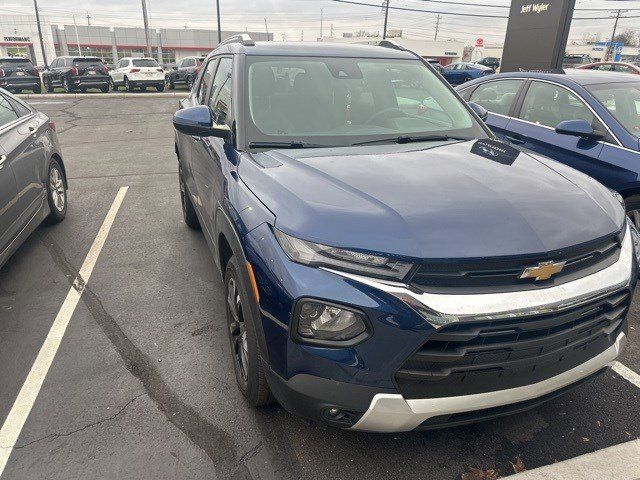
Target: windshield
x=145, y=62
x=342, y=101
x=15, y=62
x=623, y=101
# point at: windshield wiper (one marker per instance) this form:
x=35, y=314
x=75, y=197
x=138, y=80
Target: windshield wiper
x=286, y=145
x=410, y=139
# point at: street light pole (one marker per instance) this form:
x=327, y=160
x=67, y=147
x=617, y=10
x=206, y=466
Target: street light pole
x=75, y=26
x=386, y=18
x=321, y=12
x=219, y=30
x=44, y=55
x=145, y=19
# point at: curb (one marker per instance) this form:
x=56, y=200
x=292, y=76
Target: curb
x=103, y=95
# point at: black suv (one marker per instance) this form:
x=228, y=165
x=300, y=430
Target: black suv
x=17, y=74
x=491, y=62
x=185, y=72
x=76, y=73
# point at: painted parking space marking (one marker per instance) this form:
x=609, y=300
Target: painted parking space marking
x=626, y=373
x=47, y=103
x=21, y=408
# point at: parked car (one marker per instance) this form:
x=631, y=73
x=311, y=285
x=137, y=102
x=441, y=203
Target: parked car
x=574, y=61
x=76, y=73
x=136, y=72
x=620, y=67
x=458, y=73
x=184, y=73
x=435, y=63
x=33, y=181
x=18, y=73
x=386, y=269
x=589, y=120
x=491, y=62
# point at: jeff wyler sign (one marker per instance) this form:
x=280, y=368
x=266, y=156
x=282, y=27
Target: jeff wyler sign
x=537, y=35
x=17, y=39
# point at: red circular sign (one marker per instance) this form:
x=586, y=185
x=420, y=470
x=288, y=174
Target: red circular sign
x=480, y=42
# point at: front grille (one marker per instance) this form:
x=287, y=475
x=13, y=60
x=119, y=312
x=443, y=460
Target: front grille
x=481, y=356
x=503, y=274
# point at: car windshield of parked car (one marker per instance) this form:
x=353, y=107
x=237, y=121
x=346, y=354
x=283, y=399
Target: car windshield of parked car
x=342, y=101
x=623, y=101
x=145, y=62
x=15, y=62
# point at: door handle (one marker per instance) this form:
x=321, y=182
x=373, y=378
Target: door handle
x=3, y=158
x=517, y=139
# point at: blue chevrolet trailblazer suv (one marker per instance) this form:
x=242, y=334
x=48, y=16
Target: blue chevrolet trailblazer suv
x=388, y=264
x=589, y=120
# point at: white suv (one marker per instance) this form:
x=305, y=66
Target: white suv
x=132, y=72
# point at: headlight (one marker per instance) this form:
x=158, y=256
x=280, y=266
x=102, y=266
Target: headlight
x=315, y=254
x=320, y=323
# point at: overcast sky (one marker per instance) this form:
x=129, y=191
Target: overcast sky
x=296, y=19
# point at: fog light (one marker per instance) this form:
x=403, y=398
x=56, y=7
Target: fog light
x=319, y=322
x=333, y=412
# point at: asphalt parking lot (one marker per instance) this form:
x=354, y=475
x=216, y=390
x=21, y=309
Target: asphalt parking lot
x=142, y=385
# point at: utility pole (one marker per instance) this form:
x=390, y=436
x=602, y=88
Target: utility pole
x=219, y=30
x=75, y=26
x=44, y=55
x=145, y=19
x=302, y=35
x=88, y=16
x=266, y=28
x=386, y=18
x=321, y=23
x=613, y=35
x=435, y=37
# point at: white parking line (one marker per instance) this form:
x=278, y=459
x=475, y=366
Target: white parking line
x=14, y=422
x=626, y=373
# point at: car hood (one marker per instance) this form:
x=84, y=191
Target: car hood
x=432, y=200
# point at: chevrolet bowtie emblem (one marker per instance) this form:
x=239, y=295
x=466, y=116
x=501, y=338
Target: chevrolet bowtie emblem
x=543, y=271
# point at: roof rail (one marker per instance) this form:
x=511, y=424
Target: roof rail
x=244, y=38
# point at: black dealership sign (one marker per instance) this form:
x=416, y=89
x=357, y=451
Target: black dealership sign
x=537, y=35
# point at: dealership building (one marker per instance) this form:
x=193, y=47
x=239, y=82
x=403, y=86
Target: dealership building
x=19, y=37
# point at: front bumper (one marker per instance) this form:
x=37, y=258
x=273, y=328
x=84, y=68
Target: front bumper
x=392, y=413
x=361, y=380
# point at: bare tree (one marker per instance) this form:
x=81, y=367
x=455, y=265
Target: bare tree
x=627, y=38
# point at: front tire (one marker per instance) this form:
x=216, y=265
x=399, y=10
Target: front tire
x=105, y=88
x=56, y=192
x=128, y=86
x=47, y=86
x=37, y=89
x=188, y=210
x=247, y=361
x=160, y=87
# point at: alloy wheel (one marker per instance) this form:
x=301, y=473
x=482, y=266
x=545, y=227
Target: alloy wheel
x=58, y=194
x=237, y=331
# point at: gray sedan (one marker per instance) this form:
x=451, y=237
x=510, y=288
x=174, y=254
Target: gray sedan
x=33, y=182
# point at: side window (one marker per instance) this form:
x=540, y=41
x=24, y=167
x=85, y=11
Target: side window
x=207, y=79
x=7, y=113
x=622, y=69
x=20, y=109
x=220, y=99
x=190, y=62
x=548, y=104
x=54, y=64
x=497, y=97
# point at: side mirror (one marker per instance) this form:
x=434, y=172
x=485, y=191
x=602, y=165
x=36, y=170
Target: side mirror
x=479, y=110
x=197, y=121
x=578, y=128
